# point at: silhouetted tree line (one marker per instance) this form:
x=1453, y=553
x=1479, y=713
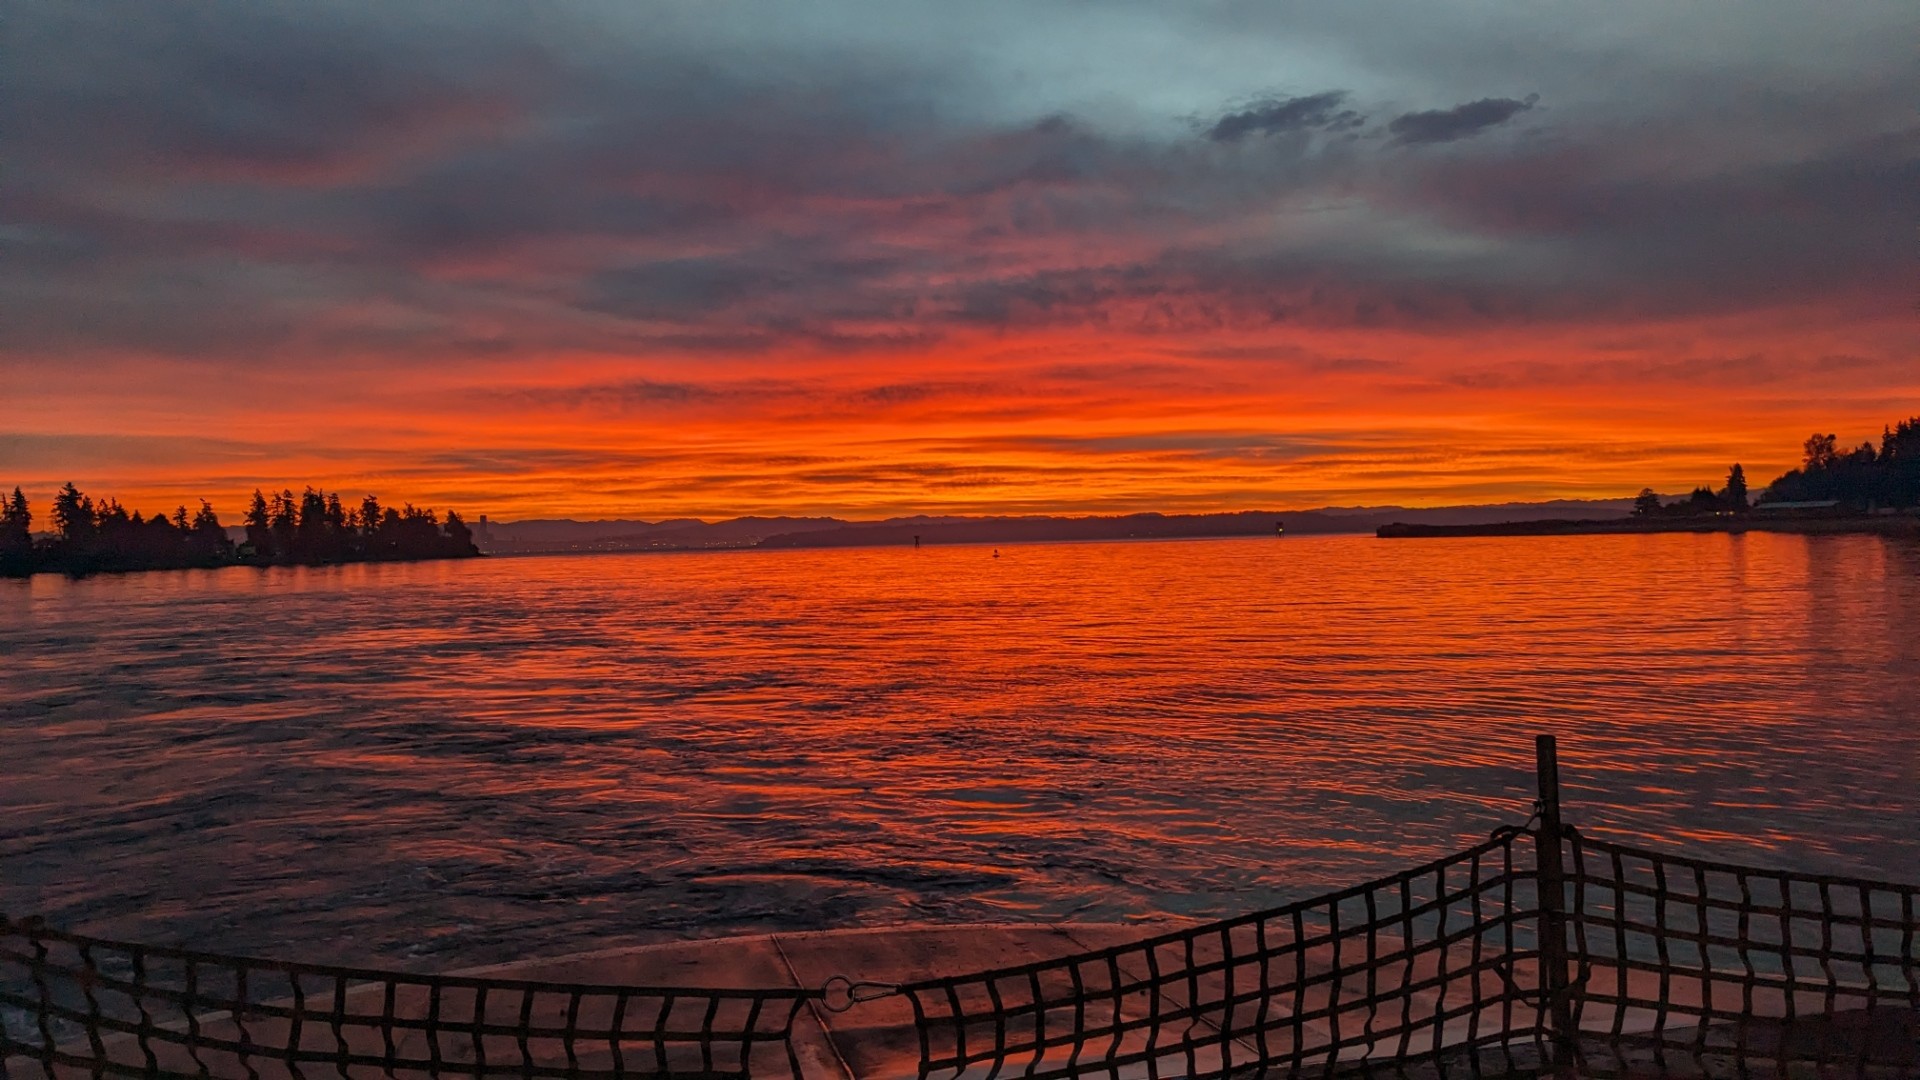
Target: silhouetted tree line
x=312, y=529
x=1730, y=499
x=1862, y=479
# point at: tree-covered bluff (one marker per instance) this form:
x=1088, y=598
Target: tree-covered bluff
x=310, y=529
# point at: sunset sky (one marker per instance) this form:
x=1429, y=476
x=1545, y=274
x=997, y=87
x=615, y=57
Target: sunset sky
x=666, y=259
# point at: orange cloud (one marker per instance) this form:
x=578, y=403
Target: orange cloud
x=987, y=423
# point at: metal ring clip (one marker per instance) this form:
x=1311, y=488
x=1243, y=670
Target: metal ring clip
x=840, y=993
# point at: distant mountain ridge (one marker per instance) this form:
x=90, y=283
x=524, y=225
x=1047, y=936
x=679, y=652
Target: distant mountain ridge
x=553, y=535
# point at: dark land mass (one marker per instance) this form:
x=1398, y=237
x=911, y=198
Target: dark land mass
x=558, y=536
x=561, y=536
x=569, y=531
x=1864, y=490
x=1014, y=530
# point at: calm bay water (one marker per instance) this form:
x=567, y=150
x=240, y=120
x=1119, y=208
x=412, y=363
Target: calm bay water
x=446, y=764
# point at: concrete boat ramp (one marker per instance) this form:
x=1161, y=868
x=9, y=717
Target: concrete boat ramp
x=876, y=1039
x=871, y=1039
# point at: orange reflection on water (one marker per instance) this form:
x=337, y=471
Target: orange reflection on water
x=448, y=757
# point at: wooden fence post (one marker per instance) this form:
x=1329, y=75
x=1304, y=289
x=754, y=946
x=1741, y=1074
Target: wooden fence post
x=1554, y=980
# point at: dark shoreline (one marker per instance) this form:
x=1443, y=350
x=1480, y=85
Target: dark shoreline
x=1882, y=525
x=86, y=571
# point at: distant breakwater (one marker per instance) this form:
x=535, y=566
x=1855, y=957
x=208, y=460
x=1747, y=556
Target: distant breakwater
x=1905, y=524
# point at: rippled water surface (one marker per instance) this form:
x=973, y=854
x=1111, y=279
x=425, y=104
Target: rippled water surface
x=446, y=764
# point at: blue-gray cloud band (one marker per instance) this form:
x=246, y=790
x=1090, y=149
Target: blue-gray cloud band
x=275, y=182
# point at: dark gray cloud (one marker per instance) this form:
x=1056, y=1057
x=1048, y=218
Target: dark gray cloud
x=647, y=394
x=292, y=181
x=261, y=92
x=1196, y=291
x=1313, y=111
x=634, y=395
x=1459, y=122
x=1831, y=225
x=680, y=288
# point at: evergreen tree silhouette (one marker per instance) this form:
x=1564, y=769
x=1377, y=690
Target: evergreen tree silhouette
x=283, y=521
x=259, y=522
x=311, y=542
x=16, y=536
x=459, y=536
x=207, y=540
x=73, y=515
x=1735, y=494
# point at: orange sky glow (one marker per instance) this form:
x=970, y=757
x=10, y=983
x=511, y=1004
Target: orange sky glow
x=857, y=265
x=1043, y=423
